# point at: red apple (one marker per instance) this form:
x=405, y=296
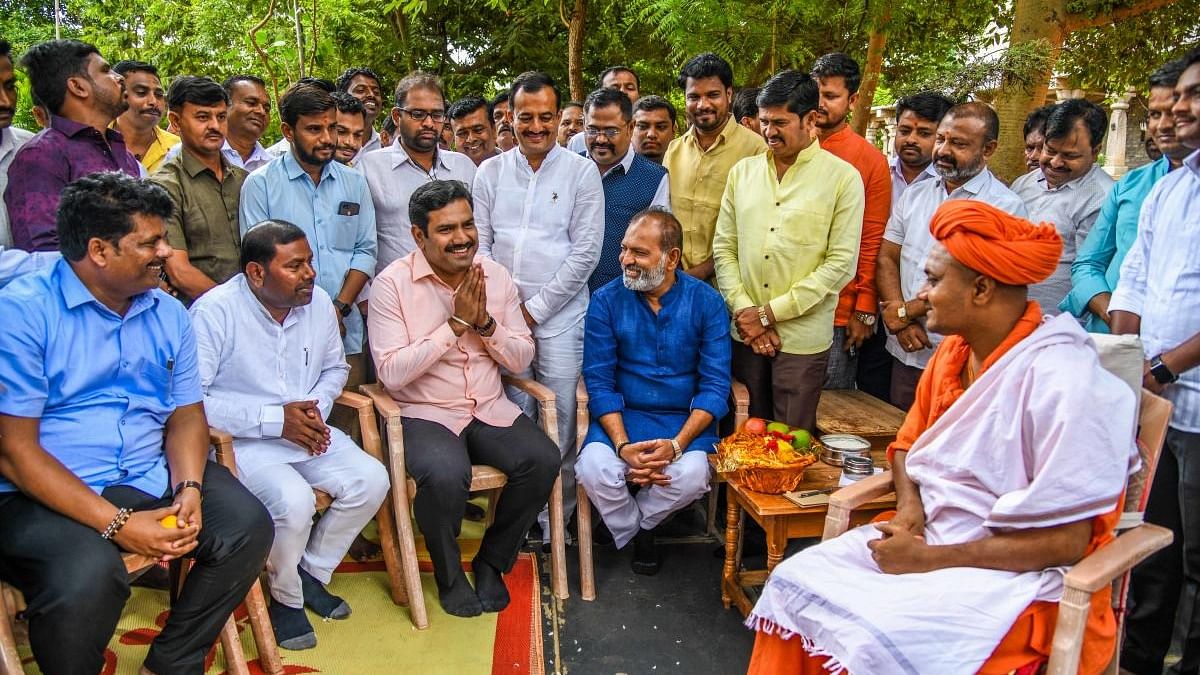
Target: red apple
x=755, y=425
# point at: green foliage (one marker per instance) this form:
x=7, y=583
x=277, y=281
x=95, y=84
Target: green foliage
x=1020, y=66
x=1121, y=55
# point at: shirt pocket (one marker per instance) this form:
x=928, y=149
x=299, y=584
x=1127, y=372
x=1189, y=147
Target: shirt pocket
x=345, y=233
x=158, y=381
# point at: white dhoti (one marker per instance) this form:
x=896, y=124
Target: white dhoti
x=358, y=484
x=602, y=474
x=1043, y=438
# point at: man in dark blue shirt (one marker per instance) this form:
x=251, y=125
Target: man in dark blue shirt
x=656, y=362
x=103, y=436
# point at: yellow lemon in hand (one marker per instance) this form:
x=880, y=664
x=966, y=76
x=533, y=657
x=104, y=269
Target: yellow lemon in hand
x=170, y=522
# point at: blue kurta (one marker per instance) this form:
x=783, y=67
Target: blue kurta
x=1097, y=265
x=655, y=369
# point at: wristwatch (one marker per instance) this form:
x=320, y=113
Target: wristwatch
x=865, y=318
x=1162, y=374
x=762, y=317
x=342, y=308
x=902, y=312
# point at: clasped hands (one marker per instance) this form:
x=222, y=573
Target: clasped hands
x=647, y=460
x=304, y=425
x=145, y=534
x=764, y=340
x=902, y=548
x=909, y=333
x=470, y=300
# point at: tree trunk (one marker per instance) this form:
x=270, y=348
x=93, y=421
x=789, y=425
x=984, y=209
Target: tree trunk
x=877, y=38
x=1047, y=20
x=575, y=36
x=399, y=21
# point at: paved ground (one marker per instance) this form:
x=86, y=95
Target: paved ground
x=669, y=623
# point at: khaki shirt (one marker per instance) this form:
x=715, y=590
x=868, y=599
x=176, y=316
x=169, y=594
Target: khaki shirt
x=205, y=221
x=698, y=181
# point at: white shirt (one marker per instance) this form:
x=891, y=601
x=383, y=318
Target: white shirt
x=546, y=227
x=371, y=144
x=258, y=157
x=11, y=140
x=662, y=196
x=14, y=262
x=251, y=365
x=393, y=176
x=1073, y=209
x=899, y=184
x=1160, y=279
x=909, y=228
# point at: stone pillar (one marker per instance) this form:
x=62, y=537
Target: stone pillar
x=1118, y=129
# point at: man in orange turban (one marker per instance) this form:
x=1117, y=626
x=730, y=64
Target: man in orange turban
x=990, y=502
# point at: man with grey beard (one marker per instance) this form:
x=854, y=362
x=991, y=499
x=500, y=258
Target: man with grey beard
x=966, y=139
x=656, y=362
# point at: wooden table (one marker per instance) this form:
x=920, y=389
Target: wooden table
x=782, y=520
x=849, y=411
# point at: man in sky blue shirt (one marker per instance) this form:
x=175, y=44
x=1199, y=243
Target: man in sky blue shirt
x=1097, y=265
x=657, y=368
x=103, y=434
x=329, y=201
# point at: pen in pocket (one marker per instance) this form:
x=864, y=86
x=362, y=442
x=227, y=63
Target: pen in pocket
x=306, y=356
x=170, y=364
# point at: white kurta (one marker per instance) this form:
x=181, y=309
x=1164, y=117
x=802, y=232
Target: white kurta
x=1045, y=437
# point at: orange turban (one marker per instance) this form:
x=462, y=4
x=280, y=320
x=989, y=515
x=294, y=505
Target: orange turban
x=994, y=243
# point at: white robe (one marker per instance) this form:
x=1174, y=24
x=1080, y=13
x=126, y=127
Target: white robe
x=1044, y=437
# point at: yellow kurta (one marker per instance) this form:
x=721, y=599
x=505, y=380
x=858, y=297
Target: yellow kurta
x=157, y=152
x=791, y=243
x=698, y=180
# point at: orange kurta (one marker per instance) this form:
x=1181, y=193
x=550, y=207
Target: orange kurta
x=1029, y=640
x=859, y=295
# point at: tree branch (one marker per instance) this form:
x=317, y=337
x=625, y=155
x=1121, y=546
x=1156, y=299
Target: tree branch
x=1078, y=22
x=262, y=56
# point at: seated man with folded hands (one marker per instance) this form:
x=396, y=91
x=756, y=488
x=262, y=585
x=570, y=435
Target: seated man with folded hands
x=443, y=323
x=656, y=359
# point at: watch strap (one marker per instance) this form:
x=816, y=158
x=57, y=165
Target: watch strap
x=188, y=484
x=342, y=308
x=1161, y=372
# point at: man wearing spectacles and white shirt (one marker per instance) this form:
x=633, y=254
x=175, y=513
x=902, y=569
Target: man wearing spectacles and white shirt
x=396, y=171
x=631, y=182
x=539, y=210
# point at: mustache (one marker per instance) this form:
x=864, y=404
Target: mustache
x=455, y=248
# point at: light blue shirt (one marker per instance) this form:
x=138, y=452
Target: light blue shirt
x=1159, y=282
x=14, y=262
x=337, y=214
x=103, y=385
x=1097, y=264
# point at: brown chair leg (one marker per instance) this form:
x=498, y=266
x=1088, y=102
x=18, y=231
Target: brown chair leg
x=231, y=645
x=583, y=520
x=409, y=567
x=493, y=498
x=264, y=633
x=558, y=543
x=10, y=661
x=391, y=551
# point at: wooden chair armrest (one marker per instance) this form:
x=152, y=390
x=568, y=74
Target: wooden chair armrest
x=853, y=496
x=353, y=400
x=384, y=404
x=222, y=444
x=537, y=390
x=583, y=418
x=1098, y=570
x=581, y=395
x=741, y=403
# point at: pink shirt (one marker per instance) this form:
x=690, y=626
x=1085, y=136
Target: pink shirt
x=432, y=374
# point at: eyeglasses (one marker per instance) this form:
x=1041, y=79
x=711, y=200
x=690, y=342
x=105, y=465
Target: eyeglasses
x=609, y=133
x=419, y=115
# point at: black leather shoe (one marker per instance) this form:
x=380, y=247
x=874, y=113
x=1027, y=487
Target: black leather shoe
x=645, y=554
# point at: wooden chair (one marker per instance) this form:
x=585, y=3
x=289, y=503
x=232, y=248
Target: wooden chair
x=583, y=511
x=11, y=603
x=1104, y=567
x=483, y=479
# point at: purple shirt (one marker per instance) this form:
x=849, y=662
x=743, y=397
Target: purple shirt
x=45, y=165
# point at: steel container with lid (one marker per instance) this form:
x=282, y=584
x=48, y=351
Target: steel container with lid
x=857, y=467
x=837, y=447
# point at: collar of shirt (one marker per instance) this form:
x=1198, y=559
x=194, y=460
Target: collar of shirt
x=973, y=186
x=71, y=129
x=75, y=294
x=803, y=157
x=929, y=171
x=194, y=167
x=399, y=156
x=626, y=162
x=259, y=152
x=294, y=314
x=293, y=170
x=1069, y=185
x=522, y=161
x=690, y=135
x=9, y=141
x=1192, y=163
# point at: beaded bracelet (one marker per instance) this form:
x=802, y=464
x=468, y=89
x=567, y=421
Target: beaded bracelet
x=117, y=523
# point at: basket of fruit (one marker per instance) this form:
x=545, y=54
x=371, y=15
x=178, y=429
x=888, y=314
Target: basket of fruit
x=766, y=457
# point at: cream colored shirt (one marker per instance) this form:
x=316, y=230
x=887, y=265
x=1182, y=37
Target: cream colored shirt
x=698, y=181
x=792, y=243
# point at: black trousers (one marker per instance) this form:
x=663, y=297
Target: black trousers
x=1164, y=595
x=440, y=463
x=75, y=582
x=874, y=374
